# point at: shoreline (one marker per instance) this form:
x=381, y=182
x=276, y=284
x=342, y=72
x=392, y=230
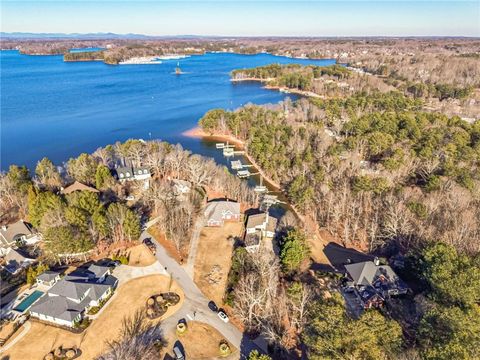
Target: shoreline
x=199, y=133
x=283, y=89
x=308, y=222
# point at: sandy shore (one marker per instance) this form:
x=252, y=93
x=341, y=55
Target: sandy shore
x=283, y=89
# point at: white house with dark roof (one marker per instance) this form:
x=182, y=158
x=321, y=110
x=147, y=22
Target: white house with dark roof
x=217, y=212
x=67, y=301
x=17, y=232
x=130, y=173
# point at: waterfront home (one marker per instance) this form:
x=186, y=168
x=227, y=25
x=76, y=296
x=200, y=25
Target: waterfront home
x=70, y=298
x=77, y=186
x=19, y=233
x=15, y=261
x=48, y=278
x=129, y=173
x=217, y=212
x=181, y=186
x=259, y=226
x=373, y=283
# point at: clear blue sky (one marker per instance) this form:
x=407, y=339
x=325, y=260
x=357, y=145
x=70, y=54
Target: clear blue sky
x=249, y=18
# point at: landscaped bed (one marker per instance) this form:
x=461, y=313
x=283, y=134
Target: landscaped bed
x=157, y=305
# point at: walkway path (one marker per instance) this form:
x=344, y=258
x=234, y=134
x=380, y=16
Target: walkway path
x=26, y=329
x=195, y=305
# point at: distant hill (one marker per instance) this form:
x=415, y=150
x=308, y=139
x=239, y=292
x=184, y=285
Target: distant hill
x=96, y=36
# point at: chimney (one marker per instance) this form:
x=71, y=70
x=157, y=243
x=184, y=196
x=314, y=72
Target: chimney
x=376, y=261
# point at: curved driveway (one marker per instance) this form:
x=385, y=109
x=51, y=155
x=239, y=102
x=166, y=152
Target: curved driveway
x=195, y=306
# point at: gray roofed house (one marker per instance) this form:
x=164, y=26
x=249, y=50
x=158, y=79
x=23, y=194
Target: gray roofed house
x=19, y=231
x=217, y=212
x=15, y=261
x=48, y=278
x=370, y=277
x=70, y=298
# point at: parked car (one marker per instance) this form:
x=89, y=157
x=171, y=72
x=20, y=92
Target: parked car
x=212, y=306
x=223, y=316
x=178, y=353
x=150, y=245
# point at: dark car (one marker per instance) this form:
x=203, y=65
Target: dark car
x=212, y=306
x=150, y=245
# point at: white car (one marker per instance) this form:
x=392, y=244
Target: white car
x=221, y=314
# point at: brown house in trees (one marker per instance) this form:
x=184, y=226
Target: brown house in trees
x=78, y=186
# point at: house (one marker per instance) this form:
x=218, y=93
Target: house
x=263, y=223
x=16, y=261
x=259, y=226
x=78, y=186
x=181, y=187
x=19, y=232
x=48, y=278
x=374, y=283
x=68, y=300
x=217, y=212
x=129, y=173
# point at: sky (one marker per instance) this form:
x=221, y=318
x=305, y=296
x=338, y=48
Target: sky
x=245, y=18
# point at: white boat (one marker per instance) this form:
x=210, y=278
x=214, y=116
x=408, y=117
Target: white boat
x=243, y=174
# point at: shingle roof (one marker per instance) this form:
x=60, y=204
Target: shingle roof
x=78, y=186
x=258, y=219
x=48, y=275
x=216, y=210
x=70, y=289
x=59, y=307
x=98, y=270
x=365, y=273
x=10, y=233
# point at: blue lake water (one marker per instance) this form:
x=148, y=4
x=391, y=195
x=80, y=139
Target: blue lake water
x=61, y=109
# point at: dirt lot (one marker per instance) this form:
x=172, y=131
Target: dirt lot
x=128, y=298
x=214, y=259
x=140, y=255
x=201, y=341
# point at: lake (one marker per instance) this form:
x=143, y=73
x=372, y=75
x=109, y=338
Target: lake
x=61, y=109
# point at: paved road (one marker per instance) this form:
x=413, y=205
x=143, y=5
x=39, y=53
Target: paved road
x=195, y=306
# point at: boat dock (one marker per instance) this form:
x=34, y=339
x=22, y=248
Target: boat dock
x=237, y=165
x=242, y=174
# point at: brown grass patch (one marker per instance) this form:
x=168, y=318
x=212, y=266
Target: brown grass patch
x=214, y=259
x=130, y=297
x=201, y=341
x=140, y=255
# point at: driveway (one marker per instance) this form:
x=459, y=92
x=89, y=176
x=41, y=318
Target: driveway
x=192, y=253
x=195, y=305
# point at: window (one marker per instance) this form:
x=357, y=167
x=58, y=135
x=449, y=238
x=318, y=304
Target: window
x=127, y=174
x=121, y=176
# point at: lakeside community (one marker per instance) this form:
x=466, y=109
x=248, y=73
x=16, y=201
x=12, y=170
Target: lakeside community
x=359, y=238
